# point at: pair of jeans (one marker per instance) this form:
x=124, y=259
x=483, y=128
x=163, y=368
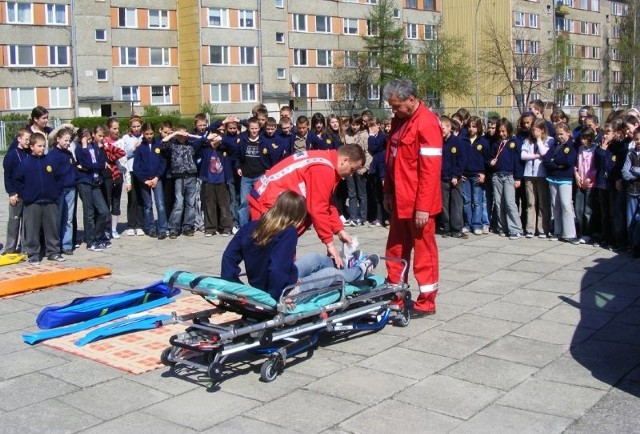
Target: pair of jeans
x=632, y=205
x=150, y=225
x=93, y=202
x=317, y=271
x=134, y=204
x=233, y=200
x=246, y=184
x=504, y=196
x=583, y=206
x=66, y=209
x=357, y=192
x=475, y=204
x=563, y=217
x=186, y=193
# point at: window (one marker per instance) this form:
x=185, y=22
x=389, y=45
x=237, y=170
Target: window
x=372, y=29
x=281, y=73
x=128, y=56
x=102, y=75
x=325, y=58
x=57, y=15
x=570, y=75
x=533, y=74
x=101, y=35
x=615, y=54
x=429, y=5
x=159, y=56
x=247, y=55
x=220, y=93
x=323, y=24
x=618, y=9
x=584, y=27
x=127, y=17
x=616, y=76
x=300, y=57
x=19, y=13
x=130, y=93
x=219, y=55
x=59, y=97
x=519, y=73
x=22, y=98
x=350, y=26
x=429, y=32
x=412, y=31
x=279, y=38
x=595, y=29
x=351, y=59
x=160, y=95
x=584, y=4
x=21, y=55
x=325, y=91
x=534, y=47
x=412, y=59
x=615, y=32
x=351, y=91
x=247, y=19
x=518, y=19
x=569, y=99
x=519, y=46
x=58, y=55
x=373, y=92
x=413, y=4
x=280, y=4
x=372, y=60
x=371, y=2
x=158, y=19
x=299, y=22
x=218, y=17
x=396, y=13
x=248, y=92
x=533, y=21
x=595, y=5
x=301, y=90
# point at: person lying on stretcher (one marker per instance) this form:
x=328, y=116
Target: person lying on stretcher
x=268, y=248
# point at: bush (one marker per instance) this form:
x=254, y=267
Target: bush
x=91, y=122
x=12, y=123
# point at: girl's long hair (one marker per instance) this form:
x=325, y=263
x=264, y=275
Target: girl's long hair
x=290, y=209
x=541, y=124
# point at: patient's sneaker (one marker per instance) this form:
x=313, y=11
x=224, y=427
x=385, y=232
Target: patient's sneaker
x=356, y=258
x=369, y=264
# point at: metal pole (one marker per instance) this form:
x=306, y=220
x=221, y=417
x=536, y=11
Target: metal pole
x=475, y=48
x=74, y=59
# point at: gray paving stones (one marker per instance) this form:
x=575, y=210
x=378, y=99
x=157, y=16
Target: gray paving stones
x=525, y=351
x=407, y=363
x=30, y=389
x=467, y=298
x=496, y=373
x=444, y=343
x=82, y=372
x=138, y=423
x=23, y=362
x=553, y=332
x=501, y=419
x=531, y=297
x=50, y=416
x=573, y=315
x=363, y=345
x=568, y=370
x=509, y=311
x=449, y=396
x=475, y=325
x=243, y=425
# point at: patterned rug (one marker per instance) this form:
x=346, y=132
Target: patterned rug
x=29, y=270
x=137, y=352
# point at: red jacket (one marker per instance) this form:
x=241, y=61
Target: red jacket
x=312, y=174
x=413, y=167
x=113, y=155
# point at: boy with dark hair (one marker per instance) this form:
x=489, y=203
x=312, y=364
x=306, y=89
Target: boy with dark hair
x=214, y=189
x=454, y=158
x=301, y=142
x=11, y=162
x=250, y=165
x=278, y=146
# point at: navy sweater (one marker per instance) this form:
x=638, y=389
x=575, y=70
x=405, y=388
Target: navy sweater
x=270, y=268
x=37, y=181
x=559, y=162
x=603, y=162
x=278, y=147
x=319, y=142
x=454, y=158
x=91, y=170
x=212, y=166
x=65, y=164
x=10, y=164
x=508, y=159
x=477, y=155
x=148, y=161
x=376, y=144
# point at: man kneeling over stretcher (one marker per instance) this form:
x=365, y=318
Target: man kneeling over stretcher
x=268, y=248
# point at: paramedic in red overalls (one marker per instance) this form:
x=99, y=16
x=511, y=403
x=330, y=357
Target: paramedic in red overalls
x=314, y=175
x=412, y=190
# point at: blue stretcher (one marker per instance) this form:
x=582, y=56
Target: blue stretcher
x=277, y=328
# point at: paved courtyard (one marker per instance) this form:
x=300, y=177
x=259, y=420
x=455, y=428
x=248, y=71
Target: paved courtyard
x=530, y=336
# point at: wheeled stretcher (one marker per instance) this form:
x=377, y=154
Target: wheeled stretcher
x=280, y=328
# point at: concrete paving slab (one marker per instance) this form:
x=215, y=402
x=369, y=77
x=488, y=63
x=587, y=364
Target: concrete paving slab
x=553, y=285
x=31, y=389
x=407, y=363
x=408, y=419
x=453, y=275
x=50, y=417
x=572, y=315
x=518, y=278
x=18, y=320
x=362, y=344
x=448, y=344
x=449, y=396
x=172, y=382
x=548, y=397
x=525, y=351
x=488, y=286
x=10, y=305
x=83, y=373
x=243, y=425
x=509, y=311
x=25, y=361
x=496, y=373
x=467, y=298
x=570, y=371
x=475, y=325
x=501, y=419
x=325, y=361
x=250, y=386
x=530, y=297
x=136, y=423
x=553, y=332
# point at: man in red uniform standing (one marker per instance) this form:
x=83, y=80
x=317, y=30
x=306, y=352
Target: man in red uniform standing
x=314, y=175
x=412, y=190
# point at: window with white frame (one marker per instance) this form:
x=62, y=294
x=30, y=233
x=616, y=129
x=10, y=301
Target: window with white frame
x=101, y=35
x=219, y=55
x=533, y=21
x=281, y=73
x=323, y=24
x=56, y=15
x=127, y=17
x=520, y=73
x=130, y=93
x=584, y=4
x=128, y=56
x=615, y=32
x=533, y=74
x=569, y=99
x=279, y=38
x=372, y=60
x=412, y=59
x=595, y=29
x=102, y=75
x=325, y=91
x=518, y=19
x=218, y=17
x=58, y=55
x=301, y=90
x=22, y=98
x=429, y=5
x=220, y=92
x=519, y=46
x=595, y=75
x=159, y=56
x=279, y=4
x=615, y=54
x=570, y=74
x=299, y=22
x=246, y=19
x=325, y=58
x=584, y=27
x=351, y=59
x=247, y=55
x=300, y=57
x=372, y=28
x=160, y=95
x=351, y=91
x=371, y=2
x=616, y=76
x=21, y=55
x=396, y=13
x=429, y=32
x=248, y=92
x=19, y=13
x=534, y=47
x=373, y=92
x=412, y=31
x=59, y=97
x=413, y=4
x=618, y=9
x=350, y=26
x=158, y=19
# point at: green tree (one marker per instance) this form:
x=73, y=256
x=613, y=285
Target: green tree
x=352, y=75
x=385, y=43
x=564, y=68
x=628, y=47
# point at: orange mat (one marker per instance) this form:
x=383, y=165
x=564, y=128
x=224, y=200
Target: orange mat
x=34, y=277
x=137, y=352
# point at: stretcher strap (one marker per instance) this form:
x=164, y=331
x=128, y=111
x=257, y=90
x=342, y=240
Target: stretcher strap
x=174, y=277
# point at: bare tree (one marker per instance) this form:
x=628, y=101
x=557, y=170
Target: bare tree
x=352, y=76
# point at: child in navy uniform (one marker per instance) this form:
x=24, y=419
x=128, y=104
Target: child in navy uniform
x=473, y=189
x=38, y=185
x=214, y=189
x=454, y=159
x=11, y=162
x=65, y=164
x=376, y=146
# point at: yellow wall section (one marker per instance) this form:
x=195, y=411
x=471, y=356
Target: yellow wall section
x=188, y=17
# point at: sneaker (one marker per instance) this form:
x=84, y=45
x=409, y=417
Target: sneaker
x=501, y=234
x=226, y=234
x=34, y=260
x=67, y=252
x=375, y=224
x=162, y=235
x=542, y=235
x=106, y=244
x=57, y=257
x=529, y=235
x=139, y=232
x=95, y=248
x=465, y=230
x=234, y=230
x=152, y=234
x=574, y=241
x=553, y=237
x=188, y=233
x=349, y=222
x=585, y=240
x=173, y=235
x=356, y=259
x=485, y=230
x=107, y=235
x=369, y=264
x=460, y=235
x=362, y=222
x=209, y=234
x=446, y=234
x=477, y=232
x=130, y=232
x=115, y=235
x=515, y=236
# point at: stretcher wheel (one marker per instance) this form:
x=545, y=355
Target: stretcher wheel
x=214, y=371
x=266, y=338
x=164, y=357
x=403, y=318
x=271, y=368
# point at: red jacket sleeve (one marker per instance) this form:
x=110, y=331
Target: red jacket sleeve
x=320, y=181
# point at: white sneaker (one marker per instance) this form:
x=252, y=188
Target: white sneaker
x=234, y=230
x=115, y=235
x=343, y=219
x=131, y=232
x=477, y=232
x=369, y=264
x=139, y=232
x=465, y=230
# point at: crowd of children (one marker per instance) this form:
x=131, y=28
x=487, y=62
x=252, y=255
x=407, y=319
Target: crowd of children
x=537, y=179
